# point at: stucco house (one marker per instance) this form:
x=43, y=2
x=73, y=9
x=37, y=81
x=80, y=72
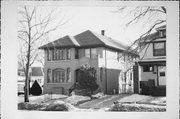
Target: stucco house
x=64, y=56
x=151, y=67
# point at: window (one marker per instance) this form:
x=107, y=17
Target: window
x=162, y=33
x=63, y=54
x=87, y=53
x=159, y=49
x=55, y=52
x=162, y=73
x=93, y=53
x=147, y=68
x=58, y=76
x=59, y=54
x=49, y=55
x=68, y=54
x=68, y=75
x=120, y=56
x=49, y=76
x=39, y=80
x=76, y=53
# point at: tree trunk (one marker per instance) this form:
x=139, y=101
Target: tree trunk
x=26, y=96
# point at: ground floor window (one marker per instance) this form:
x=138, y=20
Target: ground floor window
x=49, y=76
x=147, y=68
x=68, y=75
x=59, y=75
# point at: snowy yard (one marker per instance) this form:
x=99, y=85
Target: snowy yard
x=121, y=102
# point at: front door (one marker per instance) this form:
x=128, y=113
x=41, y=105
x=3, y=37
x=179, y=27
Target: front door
x=162, y=75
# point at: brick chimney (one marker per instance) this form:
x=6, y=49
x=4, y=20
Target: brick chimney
x=102, y=32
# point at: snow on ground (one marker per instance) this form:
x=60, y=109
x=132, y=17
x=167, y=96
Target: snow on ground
x=42, y=98
x=77, y=99
x=99, y=102
x=109, y=100
x=143, y=99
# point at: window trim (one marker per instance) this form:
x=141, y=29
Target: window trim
x=155, y=49
x=49, y=76
x=49, y=55
x=68, y=75
x=60, y=54
x=60, y=75
x=68, y=54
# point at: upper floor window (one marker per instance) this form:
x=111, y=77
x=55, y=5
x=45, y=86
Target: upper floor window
x=87, y=52
x=93, y=53
x=76, y=53
x=59, y=54
x=159, y=49
x=49, y=55
x=68, y=54
x=162, y=33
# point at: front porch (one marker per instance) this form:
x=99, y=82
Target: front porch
x=151, y=77
x=149, y=88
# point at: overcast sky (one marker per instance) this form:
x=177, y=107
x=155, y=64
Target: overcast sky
x=96, y=19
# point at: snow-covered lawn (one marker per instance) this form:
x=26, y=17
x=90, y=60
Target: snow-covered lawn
x=42, y=98
x=99, y=102
x=109, y=100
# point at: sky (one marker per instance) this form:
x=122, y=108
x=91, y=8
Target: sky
x=80, y=19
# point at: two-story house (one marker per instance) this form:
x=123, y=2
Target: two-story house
x=152, y=62
x=63, y=58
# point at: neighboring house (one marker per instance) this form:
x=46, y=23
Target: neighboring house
x=63, y=58
x=36, y=73
x=152, y=63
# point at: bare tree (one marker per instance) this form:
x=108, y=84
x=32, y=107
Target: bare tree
x=33, y=27
x=143, y=15
x=151, y=14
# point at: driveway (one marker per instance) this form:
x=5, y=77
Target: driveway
x=108, y=100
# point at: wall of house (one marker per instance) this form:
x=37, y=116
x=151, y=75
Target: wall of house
x=113, y=72
x=73, y=64
x=147, y=52
x=114, y=68
x=64, y=64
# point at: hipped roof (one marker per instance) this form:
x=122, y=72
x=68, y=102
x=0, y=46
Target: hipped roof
x=85, y=39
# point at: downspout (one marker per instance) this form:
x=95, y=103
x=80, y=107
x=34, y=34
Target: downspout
x=105, y=72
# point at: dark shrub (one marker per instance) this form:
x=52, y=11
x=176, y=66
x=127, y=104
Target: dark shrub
x=87, y=79
x=36, y=89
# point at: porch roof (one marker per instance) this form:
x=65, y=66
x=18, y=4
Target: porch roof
x=153, y=61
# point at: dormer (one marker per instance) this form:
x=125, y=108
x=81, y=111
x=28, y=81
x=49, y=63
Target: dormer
x=161, y=31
